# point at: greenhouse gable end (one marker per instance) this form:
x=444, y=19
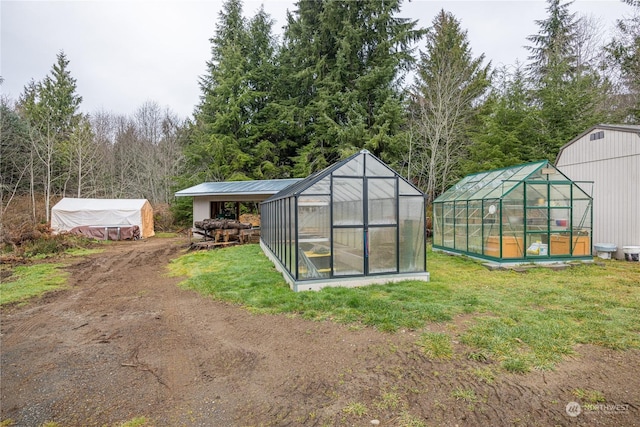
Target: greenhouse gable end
x=355, y=223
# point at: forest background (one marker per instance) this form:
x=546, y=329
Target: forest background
x=344, y=76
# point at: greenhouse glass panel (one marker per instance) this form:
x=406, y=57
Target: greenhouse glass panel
x=491, y=225
x=412, y=245
x=347, y=201
x=348, y=259
x=293, y=230
x=382, y=248
x=376, y=168
x=436, y=222
x=355, y=167
x=406, y=189
x=448, y=223
x=320, y=187
x=382, y=201
x=513, y=224
x=314, y=247
x=474, y=236
x=460, y=226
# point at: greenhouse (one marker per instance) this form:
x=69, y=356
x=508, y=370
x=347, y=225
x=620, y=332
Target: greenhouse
x=525, y=213
x=355, y=223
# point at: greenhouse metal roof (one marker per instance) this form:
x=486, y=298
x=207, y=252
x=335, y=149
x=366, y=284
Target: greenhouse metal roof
x=497, y=183
x=264, y=187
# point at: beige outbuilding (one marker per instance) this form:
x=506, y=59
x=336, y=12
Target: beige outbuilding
x=609, y=156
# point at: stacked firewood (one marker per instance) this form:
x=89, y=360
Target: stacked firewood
x=221, y=224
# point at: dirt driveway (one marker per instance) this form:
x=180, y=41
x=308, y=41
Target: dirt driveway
x=124, y=341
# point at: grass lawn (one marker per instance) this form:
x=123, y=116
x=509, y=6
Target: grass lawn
x=523, y=321
x=30, y=281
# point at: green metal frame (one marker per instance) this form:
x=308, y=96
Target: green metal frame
x=468, y=187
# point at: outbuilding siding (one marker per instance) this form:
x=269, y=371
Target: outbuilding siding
x=613, y=164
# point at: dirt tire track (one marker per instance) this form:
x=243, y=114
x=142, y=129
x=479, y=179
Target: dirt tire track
x=124, y=341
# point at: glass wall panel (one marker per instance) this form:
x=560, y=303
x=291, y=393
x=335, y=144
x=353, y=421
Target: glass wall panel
x=447, y=226
x=407, y=189
x=411, y=223
x=382, y=201
x=292, y=227
x=491, y=226
x=347, y=201
x=287, y=235
x=460, y=226
x=437, y=222
x=474, y=219
x=355, y=167
x=375, y=168
x=348, y=249
x=581, y=224
x=382, y=247
x=512, y=240
x=314, y=247
x=320, y=187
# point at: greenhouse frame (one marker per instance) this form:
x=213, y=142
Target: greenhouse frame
x=525, y=213
x=354, y=223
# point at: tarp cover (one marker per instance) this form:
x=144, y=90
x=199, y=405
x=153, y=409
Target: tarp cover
x=70, y=213
x=108, y=233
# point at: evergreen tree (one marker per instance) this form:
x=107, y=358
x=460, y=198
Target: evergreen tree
x=51, y=108
x=346, y=63
x=624, y=52
x=219, y=133
x=507, y=132
x=449, y=85
x=568, y=93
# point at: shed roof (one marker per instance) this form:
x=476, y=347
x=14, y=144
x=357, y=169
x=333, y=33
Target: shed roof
x=243, y=188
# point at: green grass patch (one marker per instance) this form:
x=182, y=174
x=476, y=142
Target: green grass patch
x=30, y=281
x=589, y=396
x=521, y=321
x=355, y=408
x=436, y=345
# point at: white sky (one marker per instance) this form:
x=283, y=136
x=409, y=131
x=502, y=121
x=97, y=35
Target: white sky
x=123, y=53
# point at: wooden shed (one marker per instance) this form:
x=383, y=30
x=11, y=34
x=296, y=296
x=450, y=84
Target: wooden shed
x=608, y=155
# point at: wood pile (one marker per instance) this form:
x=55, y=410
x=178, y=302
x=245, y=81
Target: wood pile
x=222, y=233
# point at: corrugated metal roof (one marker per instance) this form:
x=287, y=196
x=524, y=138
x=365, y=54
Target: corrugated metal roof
x=266, y=186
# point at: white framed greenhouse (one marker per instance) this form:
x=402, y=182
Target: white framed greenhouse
x=355, y=223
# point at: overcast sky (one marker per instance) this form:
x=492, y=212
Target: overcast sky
x=123, y=53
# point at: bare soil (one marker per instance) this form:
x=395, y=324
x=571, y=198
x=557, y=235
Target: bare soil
x=124, y=341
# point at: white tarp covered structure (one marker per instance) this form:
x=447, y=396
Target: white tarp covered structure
x=69, y=213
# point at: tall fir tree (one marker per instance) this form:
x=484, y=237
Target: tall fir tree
x=51, y=108
x=568, y=92
x=346, y=61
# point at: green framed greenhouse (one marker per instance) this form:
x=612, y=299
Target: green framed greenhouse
x=524, y=213
x=354, y=223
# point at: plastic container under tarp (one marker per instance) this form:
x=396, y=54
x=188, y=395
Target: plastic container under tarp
x=604, y=250
x=631, y=253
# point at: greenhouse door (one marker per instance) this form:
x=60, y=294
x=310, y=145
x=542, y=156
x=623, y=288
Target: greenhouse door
x=381, y=229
